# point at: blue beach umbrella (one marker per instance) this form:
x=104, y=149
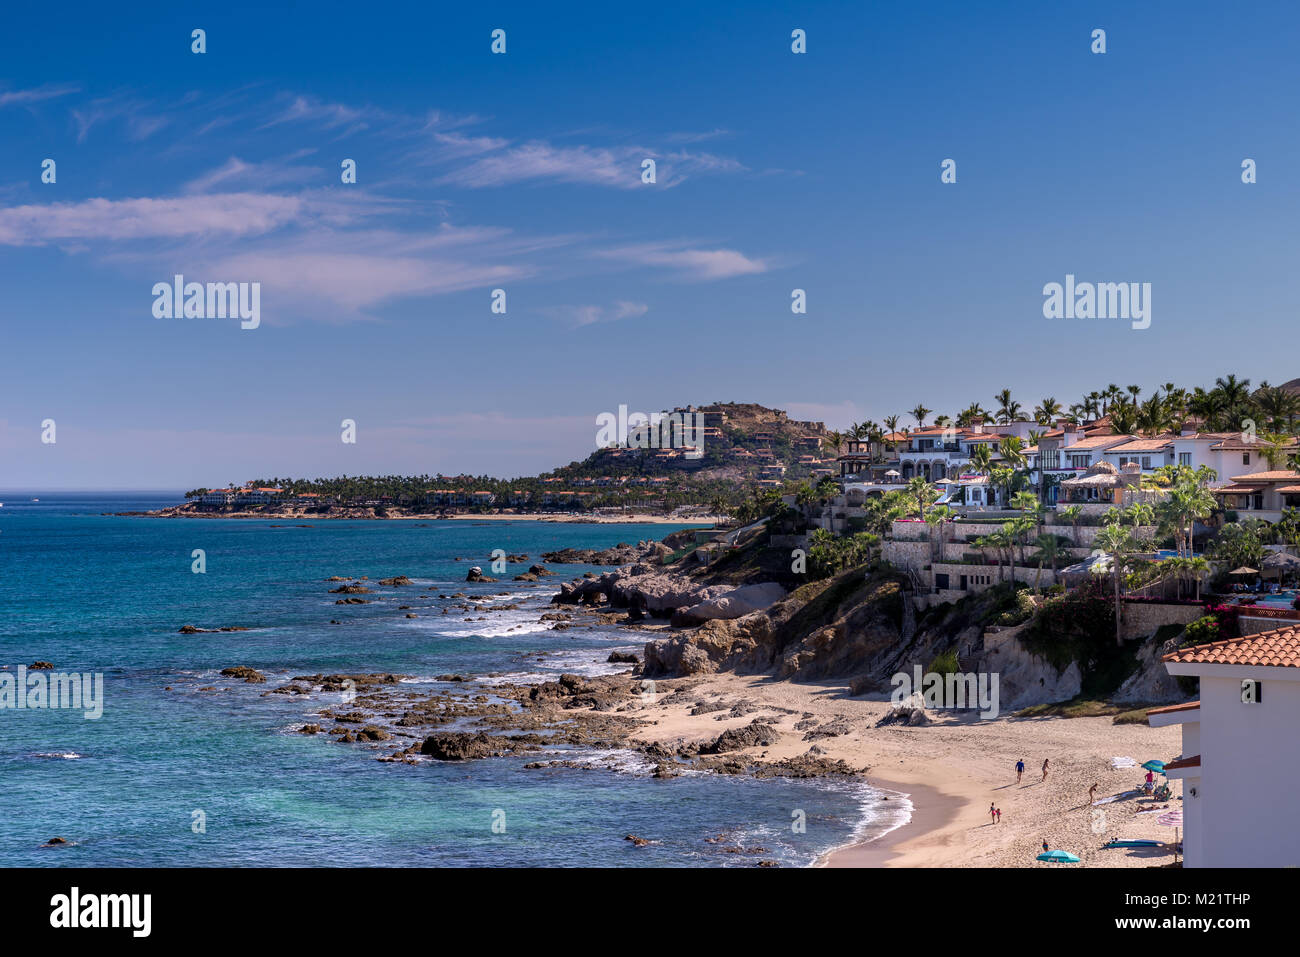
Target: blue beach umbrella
x=1154, y=765
x=1059, y=857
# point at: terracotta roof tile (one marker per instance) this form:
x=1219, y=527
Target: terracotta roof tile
x=1172, y=708
x=1279, y=648
x=1145, y=445
x=1193, y=762
x=1277, y=475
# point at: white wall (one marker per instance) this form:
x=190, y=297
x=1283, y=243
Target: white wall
x=1250, y=775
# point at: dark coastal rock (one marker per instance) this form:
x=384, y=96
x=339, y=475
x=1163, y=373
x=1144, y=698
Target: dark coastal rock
x=249, y=675
x=526, y=578
x=352, y=601
x=831, y=729
x=195, y=630
x=459, y=746
x=40, y=666
x=622, y=658
x=621, y=554
x=372, y=733
x=539, y=570
x=753, y=735
x=309, y=729
x=396, y=581
x=475, y=574
x=358, y=682
x=864, y=684
x=350, y=590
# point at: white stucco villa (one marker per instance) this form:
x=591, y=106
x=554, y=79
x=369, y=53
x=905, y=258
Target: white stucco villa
x=1240, y=765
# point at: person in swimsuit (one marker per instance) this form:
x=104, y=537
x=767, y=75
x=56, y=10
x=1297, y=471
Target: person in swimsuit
x=1020, y=769
x=993, y=813
x=1045, y=769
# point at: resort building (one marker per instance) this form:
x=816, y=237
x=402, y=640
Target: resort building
x=1262, y=495
x=219, y=496
x=1240, y=765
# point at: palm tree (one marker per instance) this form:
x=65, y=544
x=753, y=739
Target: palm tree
x=1047, y=411
x=1049, y=550
x=836, y=439
x=891, y=423
x=919, y=413
x=1116, y=540
x=924, y=493
x=985, y=542
x=981, y=458
x=1008, y=409
x=1028, y=502
x=1071, y=514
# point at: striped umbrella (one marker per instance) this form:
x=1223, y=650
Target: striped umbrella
x=1172, y=819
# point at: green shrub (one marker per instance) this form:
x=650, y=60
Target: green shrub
x=945, y=663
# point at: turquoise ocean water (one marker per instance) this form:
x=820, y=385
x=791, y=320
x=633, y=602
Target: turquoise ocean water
x=95, y=593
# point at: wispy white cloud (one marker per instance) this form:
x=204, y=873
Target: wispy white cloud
x=38, y=94
x=619, y=167
x=225, y=214
x=142, y=120
x=690, y=263
x=236, y=171
x=577, y=316
x=330, y=116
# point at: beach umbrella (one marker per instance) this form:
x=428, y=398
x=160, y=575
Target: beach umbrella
x=1244, y=570
x=1172, y=819
x=1154, y=765
x=1059, y=857
x=893, y=472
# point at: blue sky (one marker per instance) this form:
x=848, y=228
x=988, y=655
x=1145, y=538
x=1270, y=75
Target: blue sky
x=477, y=171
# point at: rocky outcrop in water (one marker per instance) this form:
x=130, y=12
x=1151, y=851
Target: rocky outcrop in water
x=620, y=554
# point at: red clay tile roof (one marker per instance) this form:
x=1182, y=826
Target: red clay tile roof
x=1172, y=708
x=1095, y=442
x=1277, y=475
x=1279, y=648
x=1145, y=445
x=1193, y=762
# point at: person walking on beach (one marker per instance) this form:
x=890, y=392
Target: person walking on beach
x=993, y=813
x=1092, y=793
x=997, y=815
x=1044, y=769
x=1020, y=769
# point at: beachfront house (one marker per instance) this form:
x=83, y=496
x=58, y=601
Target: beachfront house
x=1262, y=495
x=1240, y=765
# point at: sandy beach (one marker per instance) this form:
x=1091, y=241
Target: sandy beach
x=952, y=770
x=628, y=519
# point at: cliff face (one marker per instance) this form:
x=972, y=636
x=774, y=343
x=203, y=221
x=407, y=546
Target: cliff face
x=850, y=625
